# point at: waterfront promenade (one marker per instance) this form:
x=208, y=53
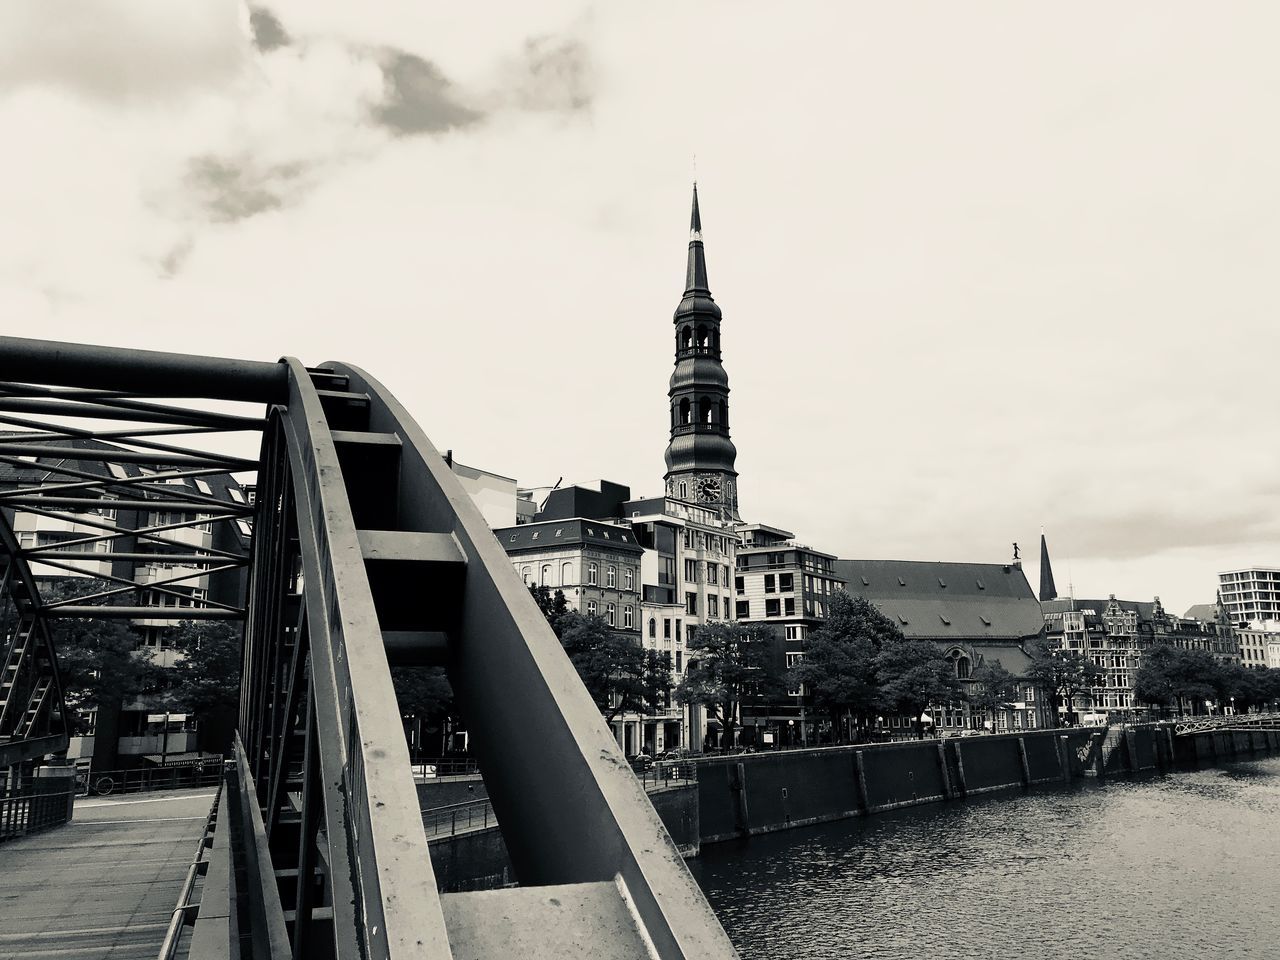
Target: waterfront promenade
x=102, y=887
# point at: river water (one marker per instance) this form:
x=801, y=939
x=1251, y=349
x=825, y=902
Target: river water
x=1184, y=865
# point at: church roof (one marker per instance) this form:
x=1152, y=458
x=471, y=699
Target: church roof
x=948, y=602
x=1201, y=611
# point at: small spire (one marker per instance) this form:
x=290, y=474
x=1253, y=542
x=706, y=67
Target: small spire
x=695, y=276
x=1048, y=590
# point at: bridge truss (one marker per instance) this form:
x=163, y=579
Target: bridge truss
x=1239, y=721
x=367, y=553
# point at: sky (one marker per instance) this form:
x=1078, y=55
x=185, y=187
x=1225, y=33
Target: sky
x=985, y=267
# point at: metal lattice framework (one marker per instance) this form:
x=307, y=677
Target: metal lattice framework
x=367, y=553
x=1239, y=721
x=32, y=714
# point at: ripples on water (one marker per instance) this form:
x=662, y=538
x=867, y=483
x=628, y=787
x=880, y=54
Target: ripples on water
x=1179, y=866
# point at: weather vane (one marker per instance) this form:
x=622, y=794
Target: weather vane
x=1015, y=551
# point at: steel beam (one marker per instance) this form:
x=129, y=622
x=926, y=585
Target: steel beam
x=146, y=371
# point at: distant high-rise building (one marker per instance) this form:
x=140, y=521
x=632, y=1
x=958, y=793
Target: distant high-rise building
x=1251, y=593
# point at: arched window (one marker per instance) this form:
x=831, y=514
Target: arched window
x=610, y=614
x=566, y=573
x=527, y=572
x=684, y=410
x=702, y=334
x=546, y=575
x=961, y=664
x=628, y=579
x=704, y=410
x=724, y=413
x=611, y=576
x=684, y=490
x=592, y=574
x=653, y=626
x=686, y=337
x=628, y=617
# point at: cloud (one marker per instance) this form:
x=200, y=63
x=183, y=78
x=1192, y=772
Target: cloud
x=419, y=98
x=116, y=50
x=268, y=32
x=232, y=190
x=551, y=73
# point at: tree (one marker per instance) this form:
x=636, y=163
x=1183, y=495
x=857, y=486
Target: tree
x=730, y=663
x=838, y=668
x=99, y=661
x=1061, y=674
x=914, y=674
x=554, y=606
x=620, y=675
x=422, y=691
x=1154, y=683
x=993, y=688
x=207, y=678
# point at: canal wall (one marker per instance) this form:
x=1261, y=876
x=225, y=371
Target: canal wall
x=478, y=860
x=749, y=794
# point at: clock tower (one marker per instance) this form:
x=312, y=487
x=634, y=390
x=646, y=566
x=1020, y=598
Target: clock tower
x=700, y=455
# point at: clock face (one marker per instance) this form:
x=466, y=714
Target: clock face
x=709, y=488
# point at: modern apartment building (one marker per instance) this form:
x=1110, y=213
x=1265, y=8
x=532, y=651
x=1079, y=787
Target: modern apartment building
x=181, y=557
x=1250, y=594
x=788, y=586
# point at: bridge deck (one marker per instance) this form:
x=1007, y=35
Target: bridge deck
x=104, y=885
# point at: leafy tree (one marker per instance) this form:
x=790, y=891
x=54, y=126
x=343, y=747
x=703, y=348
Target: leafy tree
x=839, y=662
x=554, y=606
x=207, y=678
x=1061, y=674
x=422, y=691
x=914, y=674
x=99, y=661
x=620, y=675
x=730, y=663
x=993, y=688
x=1154, y=682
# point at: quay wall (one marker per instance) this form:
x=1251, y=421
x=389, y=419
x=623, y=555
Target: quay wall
x=739, y=796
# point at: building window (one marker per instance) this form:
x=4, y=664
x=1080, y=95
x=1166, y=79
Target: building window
x=666, y=628
x=770, y=583
x=593, y=576
x=684, y=487
x=628, y=617
x=527, y=572
x=677, y=631
x=610, y=612
x=591, y=608
x=628, y=579
x=611, y=576
x=713, y=606
x=691, y=571
x=739, y=585
x=566, y=573
x=712, y=576
x=789, y=606
x=691, y=604
x=744, y=610
x=546, y=574
x=689, y=633
x=772, y=609
x=785, y=582
x=679, y=657
x=653, y=627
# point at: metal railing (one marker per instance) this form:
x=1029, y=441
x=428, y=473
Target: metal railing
x=185, y=913
x=1237, y=721
x=104, y=783
x=455, y=818
x=26, y=811
x=426, y=768
x=662, y=776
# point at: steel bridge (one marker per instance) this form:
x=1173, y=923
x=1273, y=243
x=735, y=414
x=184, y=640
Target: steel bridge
x=366, y=553
x=1239, y=721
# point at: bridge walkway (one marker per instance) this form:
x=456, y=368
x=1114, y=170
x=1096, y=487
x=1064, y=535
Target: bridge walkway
x=102, y=887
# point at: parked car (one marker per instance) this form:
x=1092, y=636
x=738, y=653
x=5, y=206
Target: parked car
x=640, y=762
x=676, y=753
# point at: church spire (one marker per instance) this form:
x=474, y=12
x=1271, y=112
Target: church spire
x=695, y=275
x=700, y=456
x=1048, y=591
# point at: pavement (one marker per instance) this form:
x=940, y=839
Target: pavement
x=104, y=886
